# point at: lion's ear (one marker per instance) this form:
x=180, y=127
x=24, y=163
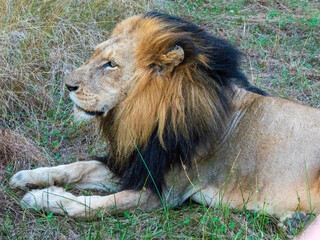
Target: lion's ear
x=170, y=60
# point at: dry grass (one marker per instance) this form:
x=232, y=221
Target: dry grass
x=41, y=41
x=17, y=152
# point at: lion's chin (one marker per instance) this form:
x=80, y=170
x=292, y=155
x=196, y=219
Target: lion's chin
x=90, y=113
x=83, y=115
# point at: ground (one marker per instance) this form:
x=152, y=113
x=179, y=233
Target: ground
x=41, y=41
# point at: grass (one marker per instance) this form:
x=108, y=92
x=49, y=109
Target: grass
x=41, y=41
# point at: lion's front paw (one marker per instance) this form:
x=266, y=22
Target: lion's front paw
x=56, y=200
x=40, y=177
x=23, y=179
x=50, y=199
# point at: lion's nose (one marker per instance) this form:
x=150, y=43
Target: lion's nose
x=72, y=88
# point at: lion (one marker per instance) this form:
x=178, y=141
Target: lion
x=182, y=122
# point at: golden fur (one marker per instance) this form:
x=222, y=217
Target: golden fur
x=175, y=110
x=154, y=98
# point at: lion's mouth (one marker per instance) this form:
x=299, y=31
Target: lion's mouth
x=91, y=113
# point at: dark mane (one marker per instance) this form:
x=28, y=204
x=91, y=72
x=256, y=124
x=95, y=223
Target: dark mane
x=209, y=70
x=224, y=58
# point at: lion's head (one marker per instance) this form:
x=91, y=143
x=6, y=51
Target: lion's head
x=159, y=87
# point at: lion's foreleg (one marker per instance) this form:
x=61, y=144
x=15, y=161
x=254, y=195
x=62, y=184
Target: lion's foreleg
x=84, y=174
x=57, y=200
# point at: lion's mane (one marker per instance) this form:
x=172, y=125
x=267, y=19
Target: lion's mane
x=164, y=119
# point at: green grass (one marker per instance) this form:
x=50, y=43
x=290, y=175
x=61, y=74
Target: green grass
x=41, y=41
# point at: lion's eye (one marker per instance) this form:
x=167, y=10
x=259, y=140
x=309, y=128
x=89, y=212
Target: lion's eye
x=110, y=64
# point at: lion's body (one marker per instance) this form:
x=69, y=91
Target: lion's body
x=270, y=162
x=182, y=122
